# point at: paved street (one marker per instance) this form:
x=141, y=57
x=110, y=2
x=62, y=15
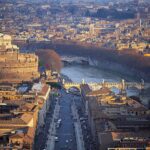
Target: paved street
x=66, y=131
x=66, y=135
x=61, y=136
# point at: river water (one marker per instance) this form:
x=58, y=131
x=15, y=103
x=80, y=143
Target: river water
x=92, y=74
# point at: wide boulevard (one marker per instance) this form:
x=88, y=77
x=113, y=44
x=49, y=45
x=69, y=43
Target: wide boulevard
x=66, y=126
x=65, y=132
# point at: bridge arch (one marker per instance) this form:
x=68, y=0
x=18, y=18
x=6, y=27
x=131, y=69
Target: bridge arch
x=119, y=85
x=67, y=86
x=73, y=88
x=134, y=86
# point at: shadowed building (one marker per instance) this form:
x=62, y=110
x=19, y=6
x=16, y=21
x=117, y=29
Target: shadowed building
x=116, y=121
x=21, y=119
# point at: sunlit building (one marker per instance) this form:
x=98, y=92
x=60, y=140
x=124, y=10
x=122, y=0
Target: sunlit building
x=15, y=66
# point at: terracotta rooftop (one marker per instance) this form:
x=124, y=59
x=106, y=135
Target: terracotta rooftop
x=29, y=137
x=26, y=118
x=17, y=136
x=102, y=91
x=14, y=102
x=44, y=90
x=3, y=132
x=31, y=132
x=119, y=135
x=23, y=121
x=11, y=123
x=27, y=106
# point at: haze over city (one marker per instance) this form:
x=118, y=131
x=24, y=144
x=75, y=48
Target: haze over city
x=75, y=74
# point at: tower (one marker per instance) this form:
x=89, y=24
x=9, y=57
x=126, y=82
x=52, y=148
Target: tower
x=123, y=88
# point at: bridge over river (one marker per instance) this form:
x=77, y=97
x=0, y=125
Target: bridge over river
x=123, y=85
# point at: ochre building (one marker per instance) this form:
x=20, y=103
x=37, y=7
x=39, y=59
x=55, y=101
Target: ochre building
x=16, y=66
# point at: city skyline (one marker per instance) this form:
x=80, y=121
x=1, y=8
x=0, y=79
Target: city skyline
x=74, y=75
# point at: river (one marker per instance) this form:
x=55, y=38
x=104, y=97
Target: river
x=92, y=74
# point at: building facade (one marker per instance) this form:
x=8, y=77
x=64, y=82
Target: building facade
x=16, y=66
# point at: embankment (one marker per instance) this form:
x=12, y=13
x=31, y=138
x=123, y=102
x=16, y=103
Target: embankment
x=128, y=62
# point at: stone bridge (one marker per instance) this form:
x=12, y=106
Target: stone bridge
x=119, y=85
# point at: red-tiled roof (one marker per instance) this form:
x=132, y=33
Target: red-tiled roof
x=17, y=135
x=23, y=121
x=26, y=118
x=44, y=89
x=102, y=91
